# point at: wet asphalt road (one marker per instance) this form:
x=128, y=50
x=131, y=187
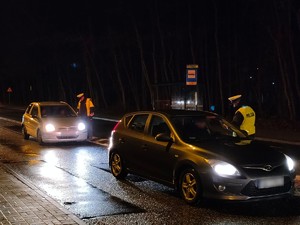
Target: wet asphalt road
x=77, y=176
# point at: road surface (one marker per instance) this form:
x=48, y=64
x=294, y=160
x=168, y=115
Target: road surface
x=77, y=176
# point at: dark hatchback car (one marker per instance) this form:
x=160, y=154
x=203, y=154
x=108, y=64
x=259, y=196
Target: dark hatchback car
x=200, y=154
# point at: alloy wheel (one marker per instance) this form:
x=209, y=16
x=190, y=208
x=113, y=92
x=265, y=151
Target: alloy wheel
x=190, y=186
x=117, y=166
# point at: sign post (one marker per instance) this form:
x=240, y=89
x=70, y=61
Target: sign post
x=191, y=74
x=192, y=79
x=9, y=91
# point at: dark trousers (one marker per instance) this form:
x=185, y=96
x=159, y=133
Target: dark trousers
x=89, y=123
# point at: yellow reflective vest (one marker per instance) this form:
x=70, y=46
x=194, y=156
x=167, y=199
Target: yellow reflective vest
x=89, y=104
x=248, y=123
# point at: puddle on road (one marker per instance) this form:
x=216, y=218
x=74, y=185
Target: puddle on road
x=79, y=197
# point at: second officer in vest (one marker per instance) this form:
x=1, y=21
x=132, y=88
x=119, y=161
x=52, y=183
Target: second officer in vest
x=85, y=110
x=244, y=117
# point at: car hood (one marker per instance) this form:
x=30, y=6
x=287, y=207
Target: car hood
x=243, y=153
x=62, y=122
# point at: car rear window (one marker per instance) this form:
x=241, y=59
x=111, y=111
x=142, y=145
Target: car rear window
x=138, y=122
x=127, y=119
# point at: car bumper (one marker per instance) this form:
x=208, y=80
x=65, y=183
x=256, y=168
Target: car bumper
x=245, y=189
x=54, y=137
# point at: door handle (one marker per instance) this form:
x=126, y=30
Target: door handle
x=145, y=147
x=121, y=140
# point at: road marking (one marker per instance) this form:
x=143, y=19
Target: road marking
x=105, y=119
x=10, y=120
x=278, y=141
x=100, y=141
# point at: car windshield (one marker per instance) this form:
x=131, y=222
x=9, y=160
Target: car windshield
x=57, y=111
x=202, y=128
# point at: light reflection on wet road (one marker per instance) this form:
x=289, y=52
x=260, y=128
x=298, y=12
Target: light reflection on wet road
x=77, y=176
x=63, y=171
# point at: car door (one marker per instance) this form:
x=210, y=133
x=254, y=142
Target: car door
x=160, y=156
x=26, y=117
x=132, y=141
x=33, y=121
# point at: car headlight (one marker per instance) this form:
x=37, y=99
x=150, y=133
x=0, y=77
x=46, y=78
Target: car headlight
x=49, y=127
x=223, y=168
x=81, y=126
x=290, y=163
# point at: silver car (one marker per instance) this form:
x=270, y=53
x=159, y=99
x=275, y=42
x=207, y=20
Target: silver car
x=52, y=122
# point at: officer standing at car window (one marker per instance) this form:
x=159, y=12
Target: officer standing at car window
x=244, y=117
x=85, y=109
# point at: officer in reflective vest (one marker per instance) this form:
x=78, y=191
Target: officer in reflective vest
x=244, y=117
x=85, y=109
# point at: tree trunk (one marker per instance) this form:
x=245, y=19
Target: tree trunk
x=219, y=73
x=121, y=84
x=132, y=84
x=144, y=68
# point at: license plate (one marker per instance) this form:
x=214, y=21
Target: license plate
x=270, y=182
x=68, y=133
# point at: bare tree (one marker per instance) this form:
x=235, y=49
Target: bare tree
x=144, y=67
x=219, y=72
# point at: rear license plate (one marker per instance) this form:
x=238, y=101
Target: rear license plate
x=270, y=182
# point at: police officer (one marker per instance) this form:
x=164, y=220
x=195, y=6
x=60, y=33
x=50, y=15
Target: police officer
x=85, y=109
x=244, y=117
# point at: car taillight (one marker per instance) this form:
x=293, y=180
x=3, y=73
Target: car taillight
x=115, y=127
x=112, y=133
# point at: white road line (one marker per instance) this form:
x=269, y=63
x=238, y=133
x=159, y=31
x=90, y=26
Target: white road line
x=278, y=141
x=105, y=119
x=10, y=120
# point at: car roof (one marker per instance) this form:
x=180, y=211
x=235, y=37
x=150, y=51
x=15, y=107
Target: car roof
x=171, y=113
x=49, y=103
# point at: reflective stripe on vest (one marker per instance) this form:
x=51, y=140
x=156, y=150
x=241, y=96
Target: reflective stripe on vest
x=248, y=123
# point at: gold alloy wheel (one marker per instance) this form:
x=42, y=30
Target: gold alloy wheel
x=189, y=186
x=116, y=165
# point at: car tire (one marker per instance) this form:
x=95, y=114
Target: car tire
x=190, y=186
x=24, y=132
x=117, y=166
x=39, y=137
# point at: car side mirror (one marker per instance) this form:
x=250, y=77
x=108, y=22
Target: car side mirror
x=163, y=137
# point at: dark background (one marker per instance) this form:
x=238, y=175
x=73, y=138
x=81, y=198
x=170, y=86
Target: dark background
x=130, y=55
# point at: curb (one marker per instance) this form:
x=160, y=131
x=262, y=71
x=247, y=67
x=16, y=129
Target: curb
x=42, y=194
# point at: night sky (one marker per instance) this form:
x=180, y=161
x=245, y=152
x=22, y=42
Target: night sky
x=51, y=50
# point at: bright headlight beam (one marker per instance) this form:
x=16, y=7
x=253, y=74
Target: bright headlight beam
x=223, y=168
x=81, y=126
x=49, y=127
x=290, y=163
